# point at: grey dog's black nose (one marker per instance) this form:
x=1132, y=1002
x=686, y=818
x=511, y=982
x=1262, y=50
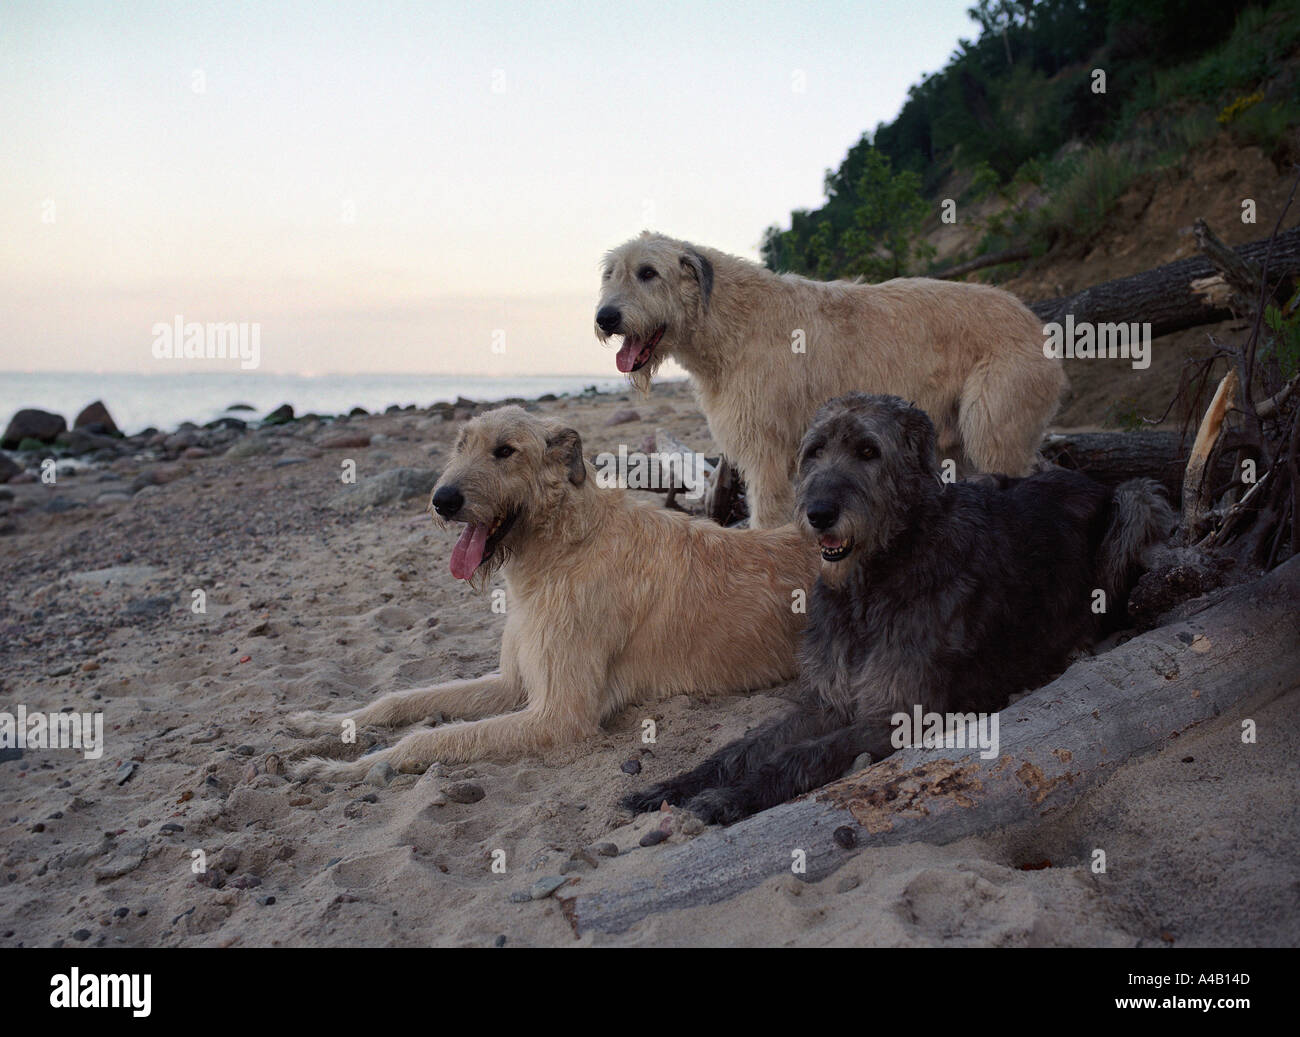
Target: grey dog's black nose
x=609, y=318
x=447, y=500
x=822, y=514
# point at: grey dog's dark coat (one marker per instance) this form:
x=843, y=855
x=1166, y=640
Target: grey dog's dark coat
x=950, y=596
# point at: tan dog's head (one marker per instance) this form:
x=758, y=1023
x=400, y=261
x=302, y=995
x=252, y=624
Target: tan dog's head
x=508, y=472
x=653, y=291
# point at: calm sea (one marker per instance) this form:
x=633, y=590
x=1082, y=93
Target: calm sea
x=165, y=400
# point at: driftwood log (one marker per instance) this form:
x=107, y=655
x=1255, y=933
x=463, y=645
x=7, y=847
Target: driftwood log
x=1056, y=743
x=1114, y=457
x=1164, y=297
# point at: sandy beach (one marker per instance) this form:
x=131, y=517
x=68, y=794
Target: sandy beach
x=320, y=595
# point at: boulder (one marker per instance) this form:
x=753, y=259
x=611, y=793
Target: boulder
x=32, y=424
x=280, y=416
x=8, y=468
x=97, y=414
x=391, y=487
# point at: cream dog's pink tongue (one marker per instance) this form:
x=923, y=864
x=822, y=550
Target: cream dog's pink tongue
x=628, y=353
x=467, y=555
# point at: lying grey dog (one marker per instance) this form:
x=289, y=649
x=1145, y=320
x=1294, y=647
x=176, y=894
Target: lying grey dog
x=948, y=596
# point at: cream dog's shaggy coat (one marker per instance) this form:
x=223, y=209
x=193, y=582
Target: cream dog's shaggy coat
x=766, y=350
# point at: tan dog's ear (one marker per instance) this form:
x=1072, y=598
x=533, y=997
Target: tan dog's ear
x=564, y=446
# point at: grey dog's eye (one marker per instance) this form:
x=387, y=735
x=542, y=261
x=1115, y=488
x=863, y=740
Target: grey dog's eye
x=503, y=451
x=647, y=273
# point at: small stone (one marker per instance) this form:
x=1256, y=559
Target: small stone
x=545, y=886
x=847, y=883
x=631, y=767
x=266, y=901
x=172, y=828
x=606, y=849
x=121, y=912
x=520, y=896
x=465, y=792
x=500, y=941
x=382, y=773
x=245, y=750
x=845, y=837
x=654, y=837
x=81, y=934
x=61, y=671
x=124, y=772
x=622, y=416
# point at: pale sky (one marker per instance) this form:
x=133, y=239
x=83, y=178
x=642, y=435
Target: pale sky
x=382, y=186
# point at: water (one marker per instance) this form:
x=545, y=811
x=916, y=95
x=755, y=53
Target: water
x=138, y=401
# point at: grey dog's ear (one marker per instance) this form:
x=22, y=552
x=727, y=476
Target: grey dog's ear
x=702, y=270
x=564, y=446
x=918, y=432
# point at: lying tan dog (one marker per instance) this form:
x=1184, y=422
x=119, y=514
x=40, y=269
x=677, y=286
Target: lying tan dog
x=609, y=602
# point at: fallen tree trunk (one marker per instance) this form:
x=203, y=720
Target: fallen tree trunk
x=1056, y=743
x=1115, y=457
x=1164, y=297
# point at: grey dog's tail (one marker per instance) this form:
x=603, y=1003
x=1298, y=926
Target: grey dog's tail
x=1140, y=517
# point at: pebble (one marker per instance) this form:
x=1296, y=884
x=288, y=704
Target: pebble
x=121, y=912
x=654, y=837
x=124, y=772
x=845, y=837
x=631, y=767
x=81, y=934
x=245, y=750
x=382, y=773
x=266, y=901
x=464, y=792
x=61, y=671
x=847, y=883
x=520, y=896
x=210, y=735
x=545, y=886
x=606, y=849
x=171, y=828
x=500, y=941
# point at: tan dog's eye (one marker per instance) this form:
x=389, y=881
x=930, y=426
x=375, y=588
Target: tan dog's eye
x=503, y=451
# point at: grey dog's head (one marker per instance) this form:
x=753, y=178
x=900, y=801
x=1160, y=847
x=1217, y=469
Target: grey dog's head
x=864, y=463
x=653, y=290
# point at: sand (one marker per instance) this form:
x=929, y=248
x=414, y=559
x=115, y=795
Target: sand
x=314, y=603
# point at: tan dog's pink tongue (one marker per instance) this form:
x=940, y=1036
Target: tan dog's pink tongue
x=627, y=354
x=468, y=552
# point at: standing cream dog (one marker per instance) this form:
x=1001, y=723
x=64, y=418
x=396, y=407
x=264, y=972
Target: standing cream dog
x=609, y=602
x=766, y=350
